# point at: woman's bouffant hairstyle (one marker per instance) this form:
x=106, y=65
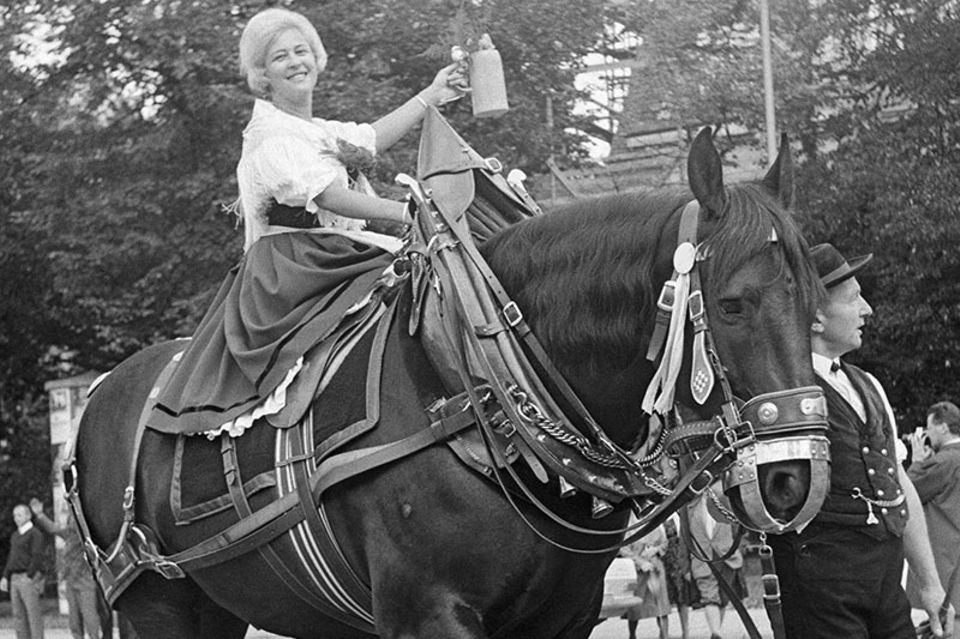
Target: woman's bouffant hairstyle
x=260, y=33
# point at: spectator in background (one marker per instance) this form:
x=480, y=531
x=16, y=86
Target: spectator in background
x=712, y=539
x=681, y=588
x=935, y=473
x=23, y=575
x=81, y=589
x=646, y=554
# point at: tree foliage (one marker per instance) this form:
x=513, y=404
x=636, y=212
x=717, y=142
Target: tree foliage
x=892, y=189
x=868, y=93
x=121, y=126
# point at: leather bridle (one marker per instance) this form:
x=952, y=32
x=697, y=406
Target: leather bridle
x=575, y=448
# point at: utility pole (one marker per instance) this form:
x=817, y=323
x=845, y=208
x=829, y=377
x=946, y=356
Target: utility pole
x=770, y=116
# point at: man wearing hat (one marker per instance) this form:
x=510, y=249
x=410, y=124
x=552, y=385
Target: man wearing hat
x=841, y=575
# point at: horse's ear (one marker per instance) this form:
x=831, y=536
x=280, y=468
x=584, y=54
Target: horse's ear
x=705, y=172
x=779, y=178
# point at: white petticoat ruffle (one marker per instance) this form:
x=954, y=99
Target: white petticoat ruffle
x=272, y=405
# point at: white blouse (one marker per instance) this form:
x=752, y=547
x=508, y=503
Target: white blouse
x=292, y=161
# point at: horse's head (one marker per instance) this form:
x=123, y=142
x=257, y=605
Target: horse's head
x=738, y=375
x=760, y=293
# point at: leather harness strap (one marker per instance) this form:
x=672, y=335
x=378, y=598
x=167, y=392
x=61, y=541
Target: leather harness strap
x=356, y=589
x=513, y=318
x=697, y=550
x=266, y=551
x=134, y=550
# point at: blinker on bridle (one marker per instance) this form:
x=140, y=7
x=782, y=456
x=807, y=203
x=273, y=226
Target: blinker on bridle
x=779, y=426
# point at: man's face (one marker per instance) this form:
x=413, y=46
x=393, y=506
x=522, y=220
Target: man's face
x=937, y=432
x=21, y=515
x=840, y=320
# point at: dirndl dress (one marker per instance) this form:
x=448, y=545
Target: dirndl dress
x=289, y=292
x=303, y=271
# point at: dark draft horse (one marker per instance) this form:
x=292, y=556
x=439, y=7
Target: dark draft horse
x=442, y=550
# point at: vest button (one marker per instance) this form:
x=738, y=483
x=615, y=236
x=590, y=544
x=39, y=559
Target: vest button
x=883, y=451
x=889, y=471
x=879, y=493
x=884, y=511
x=871, y=472
x=865, y=450
x=903, y=513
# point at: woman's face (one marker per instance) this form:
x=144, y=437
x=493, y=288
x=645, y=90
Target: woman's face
x=291, y=68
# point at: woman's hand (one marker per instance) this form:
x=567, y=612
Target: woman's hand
x=451, y=83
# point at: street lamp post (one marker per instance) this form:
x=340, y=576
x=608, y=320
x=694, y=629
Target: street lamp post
x=770, y=116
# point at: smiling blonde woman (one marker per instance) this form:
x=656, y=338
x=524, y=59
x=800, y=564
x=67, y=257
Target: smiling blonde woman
x=309, y=258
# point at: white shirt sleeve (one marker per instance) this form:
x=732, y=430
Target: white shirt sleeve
x=288, y=169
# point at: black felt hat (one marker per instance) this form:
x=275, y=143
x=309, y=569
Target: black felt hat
x=832, y=267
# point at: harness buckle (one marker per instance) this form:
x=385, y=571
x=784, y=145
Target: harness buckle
x=168, y=569
x=667, y=295
x=706, y=474
x=512, y=314
x=695, y=304
x=493, y=165
x=771, y=587
x=128, y=498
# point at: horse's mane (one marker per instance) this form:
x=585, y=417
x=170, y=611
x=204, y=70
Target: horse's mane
x=598, y=255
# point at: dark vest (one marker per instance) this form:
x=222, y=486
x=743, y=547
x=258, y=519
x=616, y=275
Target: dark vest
x=863, y=455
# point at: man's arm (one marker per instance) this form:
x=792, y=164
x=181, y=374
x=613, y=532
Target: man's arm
x=929, y=477
x=41, y=519
x=36, y=554
x=919, y=554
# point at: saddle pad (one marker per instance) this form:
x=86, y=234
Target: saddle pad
x=199, y=488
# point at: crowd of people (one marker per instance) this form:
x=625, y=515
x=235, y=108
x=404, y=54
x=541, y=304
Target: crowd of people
x=673, y=570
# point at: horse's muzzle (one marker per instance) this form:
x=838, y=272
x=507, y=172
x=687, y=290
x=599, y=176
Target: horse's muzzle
x=786, y=466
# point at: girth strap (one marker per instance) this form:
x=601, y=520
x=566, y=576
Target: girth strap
x=355, y=588
x=281, y=515
x=267, y=552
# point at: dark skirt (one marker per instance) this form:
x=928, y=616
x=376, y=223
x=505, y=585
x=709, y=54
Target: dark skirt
x=288, y=293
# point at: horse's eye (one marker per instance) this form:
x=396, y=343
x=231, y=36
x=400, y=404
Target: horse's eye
x=731, y=307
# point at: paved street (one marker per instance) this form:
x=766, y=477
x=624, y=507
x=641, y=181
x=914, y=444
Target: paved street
x=56, y=628
x=609, y=629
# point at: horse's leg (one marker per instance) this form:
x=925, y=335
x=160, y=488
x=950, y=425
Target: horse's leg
x=159, y=608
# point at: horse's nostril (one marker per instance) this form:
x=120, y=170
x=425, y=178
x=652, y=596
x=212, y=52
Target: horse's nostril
x=785, y=488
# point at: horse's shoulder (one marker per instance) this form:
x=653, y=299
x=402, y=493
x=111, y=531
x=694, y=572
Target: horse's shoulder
x=140, y=364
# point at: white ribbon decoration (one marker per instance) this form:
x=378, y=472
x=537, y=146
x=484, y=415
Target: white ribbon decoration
x=665, y=379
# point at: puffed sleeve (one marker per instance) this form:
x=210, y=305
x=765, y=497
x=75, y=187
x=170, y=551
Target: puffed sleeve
x=292, y=171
